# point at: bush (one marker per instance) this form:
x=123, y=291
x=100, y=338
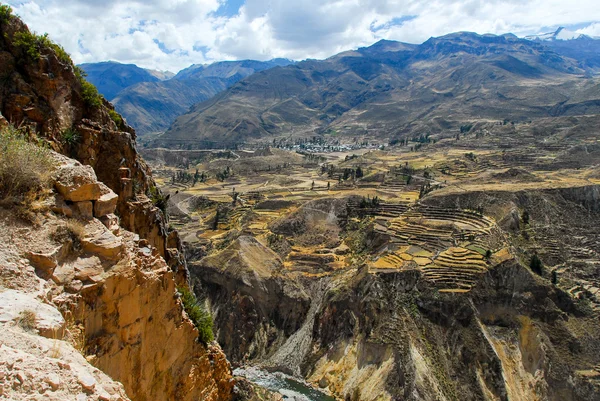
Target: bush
x=90, y=94
x=198, y=314
x=33, y=44
x=25, y=167
x=70, y=137
x=116, y=118
x=159, y=200
x=536, y=265
x=5, y=13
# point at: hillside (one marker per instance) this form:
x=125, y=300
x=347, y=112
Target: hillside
x=391, y=90
x=91, y=278
x=151, y=107
x=111, y=77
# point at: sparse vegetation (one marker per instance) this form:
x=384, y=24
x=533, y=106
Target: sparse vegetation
x=72, y=231
x=26, y=320
x=25, y=167
x=198, y=314
x=70, y=137
x=116, y=117
x=5, y=13
x=159, y=199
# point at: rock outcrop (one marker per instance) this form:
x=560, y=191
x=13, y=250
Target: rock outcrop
x=113, y=279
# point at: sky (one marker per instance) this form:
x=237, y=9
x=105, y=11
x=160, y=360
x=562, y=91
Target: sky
x=173, y=34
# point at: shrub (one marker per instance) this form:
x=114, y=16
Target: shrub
x=116, y=118
x=26, y=320
x=5, y=13
x=70, y=137
x=159, y=200
x=25, y=167
x=90, y=94
x=536, y=265
x=198, y=314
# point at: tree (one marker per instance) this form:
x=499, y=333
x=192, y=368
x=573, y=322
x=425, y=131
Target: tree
x=328, y=185
x=216, y=221
x=488, y=254
x=535, y=264
x=359, y=172
x=525, y=217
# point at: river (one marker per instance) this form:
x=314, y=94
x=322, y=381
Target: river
x=290, y=388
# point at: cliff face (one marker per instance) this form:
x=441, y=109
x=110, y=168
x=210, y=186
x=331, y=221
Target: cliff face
x=376, y=333
x=118, y=289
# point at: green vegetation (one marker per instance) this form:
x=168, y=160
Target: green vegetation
x=198, y=314
x=535, y=264
x=5, y=13
x=116, y=118
x=159, y=200
x=33, y=44
x=25, y=167
x=90, y=94
x=70, y=137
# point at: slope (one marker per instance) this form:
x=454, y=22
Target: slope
x=390, y=89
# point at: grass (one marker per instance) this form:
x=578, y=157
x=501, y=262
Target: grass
x=72, y=231
x=198, y=314
x=70, y=137
x=25, y=167
x=26, y=320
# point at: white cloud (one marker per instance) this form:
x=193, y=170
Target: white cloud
x=172, y=34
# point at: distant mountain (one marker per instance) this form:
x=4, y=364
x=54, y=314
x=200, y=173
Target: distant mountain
x=229, y=69
x=583, y=48
x=111, y=77
x=561, y=33
x=393, y=89
x=151, y=107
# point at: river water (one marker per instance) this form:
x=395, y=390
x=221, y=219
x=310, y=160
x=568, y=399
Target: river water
x=290, y=388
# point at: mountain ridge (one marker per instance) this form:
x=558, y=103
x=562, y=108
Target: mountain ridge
x=380, y=93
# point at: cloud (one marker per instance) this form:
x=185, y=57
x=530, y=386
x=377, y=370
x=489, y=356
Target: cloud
x=172, y=34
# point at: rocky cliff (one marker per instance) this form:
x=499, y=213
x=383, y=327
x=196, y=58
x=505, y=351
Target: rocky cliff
x=367, y=332
x=98, y=248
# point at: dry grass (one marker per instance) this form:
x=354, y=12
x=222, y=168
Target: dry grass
x=26, y=320
x=72, y=231
x=25, y=167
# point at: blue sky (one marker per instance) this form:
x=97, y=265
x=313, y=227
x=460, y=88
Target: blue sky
x=172, y=34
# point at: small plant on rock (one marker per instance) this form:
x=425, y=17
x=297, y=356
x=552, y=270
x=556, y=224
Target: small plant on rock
x=70, y=137
x=26, y=320
x=198, y=314
x=72, y=231
x=116, y=118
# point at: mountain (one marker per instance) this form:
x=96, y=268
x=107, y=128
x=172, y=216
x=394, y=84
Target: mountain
x=151, y=107
x=561, y=33
x=584, y=48
x=111, y=77
x=391, y=89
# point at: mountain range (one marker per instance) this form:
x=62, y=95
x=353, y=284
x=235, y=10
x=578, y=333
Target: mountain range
x=151, y=100
x=394, y=89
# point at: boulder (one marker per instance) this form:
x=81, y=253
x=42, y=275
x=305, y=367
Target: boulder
x=77, y=183
x=59, y=206
x=84, y=210
x=47, y=320
x=107, y=203
x=100, y=241
x=111, y=221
